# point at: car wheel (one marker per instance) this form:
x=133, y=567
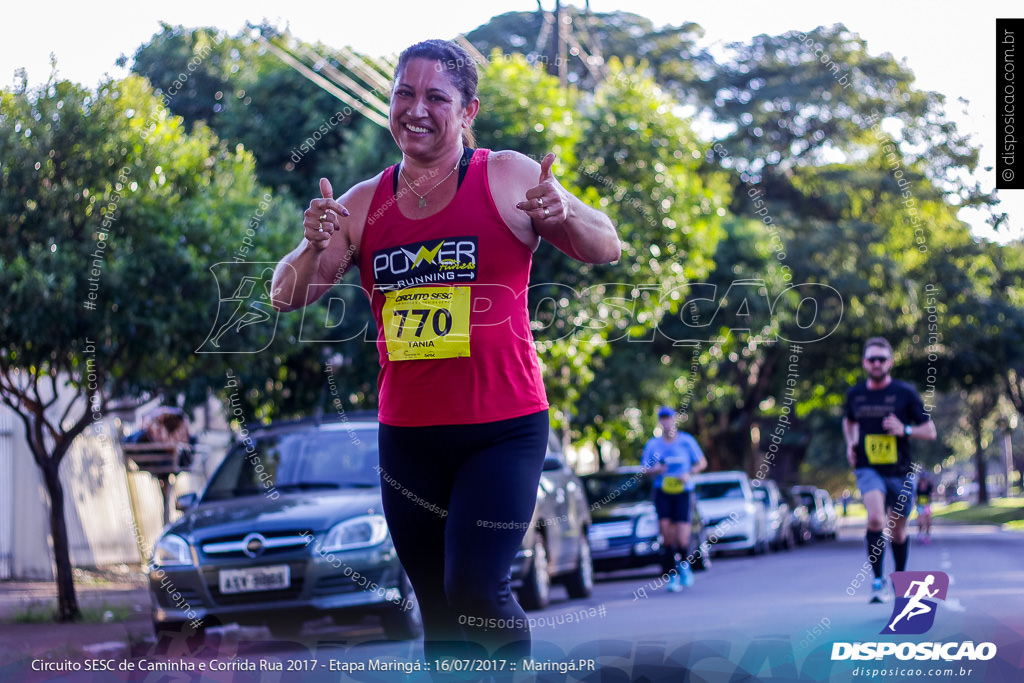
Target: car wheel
x=286, y=627
x=702, y=556
x=787, y=539
x=536, y=591
x=403, y=621
x=760, y=546
x=580, y=583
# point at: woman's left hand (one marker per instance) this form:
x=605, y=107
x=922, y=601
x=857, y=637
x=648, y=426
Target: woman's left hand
x=545, y=203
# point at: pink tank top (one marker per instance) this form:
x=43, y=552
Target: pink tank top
x=448, y=295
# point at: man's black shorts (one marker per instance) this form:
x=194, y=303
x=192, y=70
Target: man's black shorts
x=674, y=507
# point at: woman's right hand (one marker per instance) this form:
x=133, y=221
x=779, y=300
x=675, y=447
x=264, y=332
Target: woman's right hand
x=322, y=219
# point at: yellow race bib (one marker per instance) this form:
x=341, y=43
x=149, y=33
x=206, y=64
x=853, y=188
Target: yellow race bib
x=880, y=449
x=427, y=323
x=671, y=485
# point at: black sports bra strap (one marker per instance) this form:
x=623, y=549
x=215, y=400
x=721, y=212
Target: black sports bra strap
x=467, y=155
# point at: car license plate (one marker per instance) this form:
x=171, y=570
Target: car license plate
x=255, y=579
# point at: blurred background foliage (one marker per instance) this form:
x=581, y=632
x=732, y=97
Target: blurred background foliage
x=764, y=198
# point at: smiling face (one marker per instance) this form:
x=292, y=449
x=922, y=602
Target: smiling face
x=427, y=113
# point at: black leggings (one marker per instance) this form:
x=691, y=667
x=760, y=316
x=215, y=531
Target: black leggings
x=445, y=489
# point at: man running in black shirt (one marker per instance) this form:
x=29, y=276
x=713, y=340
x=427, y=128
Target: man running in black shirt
x=882, y=416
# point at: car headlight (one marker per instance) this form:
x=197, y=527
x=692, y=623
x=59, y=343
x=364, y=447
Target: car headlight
x=358, y=532
x=647, y=526
x=172, y=551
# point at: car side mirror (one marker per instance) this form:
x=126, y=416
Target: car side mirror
x=185, y=502
x=551, y=464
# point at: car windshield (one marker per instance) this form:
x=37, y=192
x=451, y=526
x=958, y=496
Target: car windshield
x=710, y=490
x=611, y=489
x=298, y=461
x=806, y=498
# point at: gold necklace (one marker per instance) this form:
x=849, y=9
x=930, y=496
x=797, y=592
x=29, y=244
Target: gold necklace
x=423, y=197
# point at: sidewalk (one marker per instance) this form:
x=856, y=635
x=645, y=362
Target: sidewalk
x=128, y=599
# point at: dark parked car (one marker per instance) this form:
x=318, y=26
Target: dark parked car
x=289, y=527
x=821, y=510
x=556, y=548
x=777, y=514
x=799, y=518
x=625, y=529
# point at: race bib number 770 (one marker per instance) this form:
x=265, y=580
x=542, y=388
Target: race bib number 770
x=427, y=323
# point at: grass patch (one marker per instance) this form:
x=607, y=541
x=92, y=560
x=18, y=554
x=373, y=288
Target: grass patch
x=998, y=511
x=853, y=511
x=35, y=612
x=95, y=614
x=44, y=611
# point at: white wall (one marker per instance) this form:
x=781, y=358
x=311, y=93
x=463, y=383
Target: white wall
x=113, y=515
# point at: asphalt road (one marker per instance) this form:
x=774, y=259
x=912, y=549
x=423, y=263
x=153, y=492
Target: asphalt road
x=773, y=617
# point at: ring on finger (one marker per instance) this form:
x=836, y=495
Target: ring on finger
x=547, y=211
x=540, y=201
x=320, y=228
x=323, y=217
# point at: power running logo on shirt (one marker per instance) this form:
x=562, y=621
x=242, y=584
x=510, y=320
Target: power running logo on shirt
x=450, y=260
x=914, y=614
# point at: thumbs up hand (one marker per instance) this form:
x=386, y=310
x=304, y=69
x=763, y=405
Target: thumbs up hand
x=322, y=218
x=544, y=202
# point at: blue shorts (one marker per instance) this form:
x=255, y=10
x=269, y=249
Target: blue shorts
x=674, y=507
x=868, y=479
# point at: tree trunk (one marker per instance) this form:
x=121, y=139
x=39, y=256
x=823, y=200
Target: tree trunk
x=981, y=469
x=67, y=601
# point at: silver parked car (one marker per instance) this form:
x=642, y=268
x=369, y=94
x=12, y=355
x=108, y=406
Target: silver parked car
x=726, y=503
x=777, y=514
x=820, y=508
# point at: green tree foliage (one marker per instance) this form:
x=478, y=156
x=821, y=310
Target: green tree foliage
x=112, y=214
x=862, y=175
x=670, y=52
x=637, y=161
x=295, y=129
x=834, y=171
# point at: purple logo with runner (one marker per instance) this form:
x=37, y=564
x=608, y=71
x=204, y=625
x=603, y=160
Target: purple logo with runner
x=914, y=612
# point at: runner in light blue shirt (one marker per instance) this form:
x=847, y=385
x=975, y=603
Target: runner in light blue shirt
x=673, y=458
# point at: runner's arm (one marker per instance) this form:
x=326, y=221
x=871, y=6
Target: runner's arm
x=701, y=463
x=649, y=462
x=851, y=432
x=580, y=231
x=308, y=271
x=925, y=431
